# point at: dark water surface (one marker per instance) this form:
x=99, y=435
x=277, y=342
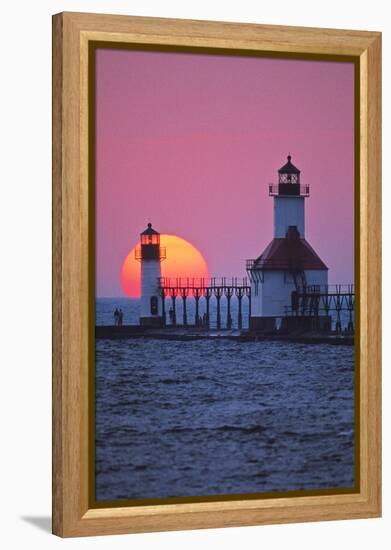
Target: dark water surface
x=222, y=417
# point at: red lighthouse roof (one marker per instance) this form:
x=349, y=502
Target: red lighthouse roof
x=291, y=254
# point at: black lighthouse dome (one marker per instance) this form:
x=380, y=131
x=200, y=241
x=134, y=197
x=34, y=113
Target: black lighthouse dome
x=150, y=231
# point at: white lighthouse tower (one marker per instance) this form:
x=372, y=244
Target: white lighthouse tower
x=288, y=263
x=150, y=253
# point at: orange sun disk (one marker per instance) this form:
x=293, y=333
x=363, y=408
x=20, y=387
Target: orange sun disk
x=183, y=260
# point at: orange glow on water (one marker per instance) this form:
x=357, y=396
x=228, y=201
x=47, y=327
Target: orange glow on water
x=183, y=260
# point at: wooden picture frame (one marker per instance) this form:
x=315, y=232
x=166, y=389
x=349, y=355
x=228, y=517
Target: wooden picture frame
x=72, y=330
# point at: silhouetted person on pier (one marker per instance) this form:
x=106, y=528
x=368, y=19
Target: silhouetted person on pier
x=120, y=317
x=116, y=316
x=171, y=315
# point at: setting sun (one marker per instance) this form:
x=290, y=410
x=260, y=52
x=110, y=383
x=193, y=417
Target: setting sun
x=183, y=260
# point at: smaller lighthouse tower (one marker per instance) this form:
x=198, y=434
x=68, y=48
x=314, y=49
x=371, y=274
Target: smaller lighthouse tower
x=150, y=253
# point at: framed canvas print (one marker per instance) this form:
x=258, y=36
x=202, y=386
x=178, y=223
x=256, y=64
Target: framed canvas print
x=216, y=274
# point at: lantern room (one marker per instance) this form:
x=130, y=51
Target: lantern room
x=150, y=236
x=289, y=182
x=288, y=173
x=150, y=248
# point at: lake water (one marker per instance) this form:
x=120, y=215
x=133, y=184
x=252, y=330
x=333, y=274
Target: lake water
x=209, y=417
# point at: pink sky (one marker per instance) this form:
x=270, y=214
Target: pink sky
x=189, y=142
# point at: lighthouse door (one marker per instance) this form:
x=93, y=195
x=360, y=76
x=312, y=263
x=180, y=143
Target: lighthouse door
x=154, y=305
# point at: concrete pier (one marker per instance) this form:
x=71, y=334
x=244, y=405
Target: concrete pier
x=186, y=333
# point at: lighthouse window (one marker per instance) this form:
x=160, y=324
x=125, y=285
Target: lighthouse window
x=150, y=239
x=154, y=308
x=288, y=178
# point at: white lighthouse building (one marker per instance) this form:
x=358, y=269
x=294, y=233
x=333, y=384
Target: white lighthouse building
x=150, y=253
x=288, y=263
